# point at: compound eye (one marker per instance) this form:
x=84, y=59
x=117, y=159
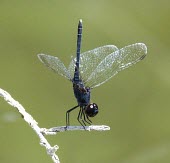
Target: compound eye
x=91, y=110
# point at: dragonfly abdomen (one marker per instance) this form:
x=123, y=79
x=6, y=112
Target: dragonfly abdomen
x=76, y=78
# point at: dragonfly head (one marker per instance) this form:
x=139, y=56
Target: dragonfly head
x=91, y=110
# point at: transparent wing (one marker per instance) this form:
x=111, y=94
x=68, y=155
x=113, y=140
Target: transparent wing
x=115, y=62
x=90, y=60
x=54, y=64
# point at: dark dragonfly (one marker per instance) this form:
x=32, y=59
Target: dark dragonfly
x=91, y=69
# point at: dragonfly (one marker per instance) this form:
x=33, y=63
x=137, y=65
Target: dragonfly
x=91, y=69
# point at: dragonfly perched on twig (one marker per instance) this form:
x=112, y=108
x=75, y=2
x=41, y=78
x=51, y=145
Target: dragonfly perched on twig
x=91, y=69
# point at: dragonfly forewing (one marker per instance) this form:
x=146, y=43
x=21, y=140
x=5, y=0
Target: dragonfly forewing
x=115, y=62
x=55, y=64
x=90, y=60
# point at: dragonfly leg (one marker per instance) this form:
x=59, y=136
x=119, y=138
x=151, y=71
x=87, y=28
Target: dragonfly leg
x=79, y=117
x=84, y=118
x=90, y=122
x=68, y=116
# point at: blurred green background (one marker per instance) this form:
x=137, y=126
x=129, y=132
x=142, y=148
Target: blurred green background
x=135, y=103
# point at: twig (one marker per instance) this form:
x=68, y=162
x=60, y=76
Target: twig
x=33, y=124
x=55, y=130
x=43, y=131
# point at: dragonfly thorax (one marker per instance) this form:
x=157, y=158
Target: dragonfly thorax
x=81, y=93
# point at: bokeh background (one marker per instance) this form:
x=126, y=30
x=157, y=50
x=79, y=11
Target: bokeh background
x=135, y=103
